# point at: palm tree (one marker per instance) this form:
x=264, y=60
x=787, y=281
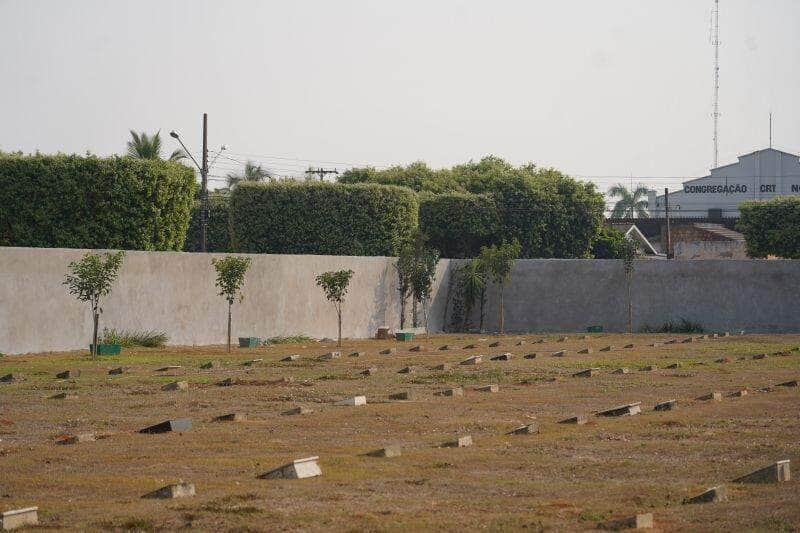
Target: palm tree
x=631, y=204
x=144, y=146
x=252, y=172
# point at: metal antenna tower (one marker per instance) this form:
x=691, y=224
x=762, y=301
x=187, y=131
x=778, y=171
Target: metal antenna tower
x=715, y=43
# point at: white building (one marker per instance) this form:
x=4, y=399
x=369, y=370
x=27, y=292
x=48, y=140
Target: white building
x=761, y=175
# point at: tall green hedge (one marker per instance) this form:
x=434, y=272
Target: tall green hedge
x=321, y=218
x=772, y=227
x=459, y=224
x=92, y=202
x=218, y=234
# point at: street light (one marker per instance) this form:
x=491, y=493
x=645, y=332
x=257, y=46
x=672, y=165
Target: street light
x=203, y=179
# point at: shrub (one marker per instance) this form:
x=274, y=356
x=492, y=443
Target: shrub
x=610, y=243
x=321, y=218
x=92, y=202
x=459, y=224
x=128, y=339
x=684, y=326
x=771, y=227
x=218, y=233
x=299, y=338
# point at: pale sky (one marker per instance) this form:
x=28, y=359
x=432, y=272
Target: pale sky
x=612, y=88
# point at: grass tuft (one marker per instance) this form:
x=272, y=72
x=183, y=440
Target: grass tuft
x=129, y=339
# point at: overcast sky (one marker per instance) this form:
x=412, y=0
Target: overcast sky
x=594, y=88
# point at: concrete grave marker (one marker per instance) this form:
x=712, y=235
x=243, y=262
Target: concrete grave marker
x=461, y=442
x=353, y=401
x=299, y=469
x=715, y=335
x=290, y=358
x=765, y=389
x=623, y=410
x=495, y=344
x=607, y=349
x=210, y=365
x=530, y=356
x=384, y=333
x=563, y=339
x=64, y=396
x=11, y=378
x=738, y=394
x=711, y=396
x=370, y=371
x=520, y=343
x=669, y=405
x=388, y=351
x=539, y=341
x=589, y=372
x=639, y=521
x=168, y=368
x=470, y=346
x=326, y=339
x=76, y=439
x=712, y=495
x=648, y=368
x=227, y=382
x=674, y=366
x=117, y=371
x=455, y=391
x=417, y=348
x=560, y=353
x=444, y=366
x=585, y=337
x=577, y=419
x=775, y=473
x=528, y=429
x=176, y=490
x=389, y=451
x=585, y=351
x=19, y=518
x=488, y=388
x=252, y=362
x=178, y=425
x=297, y=411
x=671, y=341
x=445, y=347
x=69, y=374
x=655, y=345
x=622, y=370
x=405, y=395
x=330, y=355
x=726, y=334
x=760, y=356
x=232, y=417
x=688, y=340
x=176, y=385
x=502, y=357
x=356, y=354
x=407, y=370
x=722, y=360
x=629, y=346
x=474, y=360
x=792, y=383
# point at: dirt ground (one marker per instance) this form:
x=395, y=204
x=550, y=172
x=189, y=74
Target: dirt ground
x=566, y=477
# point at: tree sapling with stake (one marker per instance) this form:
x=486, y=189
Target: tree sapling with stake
x=335, y=284
x=230, y=278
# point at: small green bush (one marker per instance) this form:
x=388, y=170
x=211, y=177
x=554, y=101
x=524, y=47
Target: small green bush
x=684, y=326
x=70, y=201
x=128, y=339
x=771, y=227
x=610, y=243
x=290, y=339
x=321, y=218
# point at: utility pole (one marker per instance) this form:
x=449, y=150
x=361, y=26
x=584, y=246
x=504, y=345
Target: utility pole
x=666, y=214
x=204, y=187
x=715, y=42
x=770, y=129
x=321, y=172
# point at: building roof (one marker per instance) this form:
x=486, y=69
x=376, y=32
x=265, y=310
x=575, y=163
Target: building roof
x=633, y=233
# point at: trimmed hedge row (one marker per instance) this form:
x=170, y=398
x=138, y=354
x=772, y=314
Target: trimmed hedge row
x=218, y=234
x=71, y=201
x=321, y=218
x=458, y=224
x=771, y=227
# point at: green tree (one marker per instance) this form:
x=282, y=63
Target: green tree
x=252, y=172
x=405, y=270
x=422, y=278
x=144, y=146
x=771, y=227
x=610, y=243
x=231, y=271
x=632, y=203
x=628, y=256
x=335, y=284
x=90, y=279
x=498, y=261
x=472, y=288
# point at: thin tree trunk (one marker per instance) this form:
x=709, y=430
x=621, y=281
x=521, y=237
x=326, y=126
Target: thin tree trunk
x=339, y=313
x=414, y=318
x=402, y=309
x=229, y=327
x=483, y=301
x=425, y=315
x=96, y=324
x=502, y=314
x=630, y=306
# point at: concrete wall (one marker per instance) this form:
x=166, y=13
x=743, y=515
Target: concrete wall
x=710, y=250
x=174, y=292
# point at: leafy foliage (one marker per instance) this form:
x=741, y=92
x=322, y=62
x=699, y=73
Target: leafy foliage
x=290, y=339
x=497, y=262
x=230, y=276
x=458, y=224
x=471, y=278
x=684, y=326
x=218, y=234
x=69, y=201
x=321, y=218
x=144, y=146
x=632, y=203
x=771, y=227
x=252, y=172
x=129, y=339
x=335, y=284
x=610, y=243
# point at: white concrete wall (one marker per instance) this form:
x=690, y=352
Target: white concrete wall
x=174, y=292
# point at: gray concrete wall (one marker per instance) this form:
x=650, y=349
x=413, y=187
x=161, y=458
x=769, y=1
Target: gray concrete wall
x=174, y=292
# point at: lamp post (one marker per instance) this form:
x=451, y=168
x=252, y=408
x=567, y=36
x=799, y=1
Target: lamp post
x=203, y=180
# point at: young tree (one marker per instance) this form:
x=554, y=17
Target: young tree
x=498, y=261
x=335, y=284
x=230, y=278
x=405, y=269
x=628, y=255
x=90, y=279
x=422, y=278
x=472, y=284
